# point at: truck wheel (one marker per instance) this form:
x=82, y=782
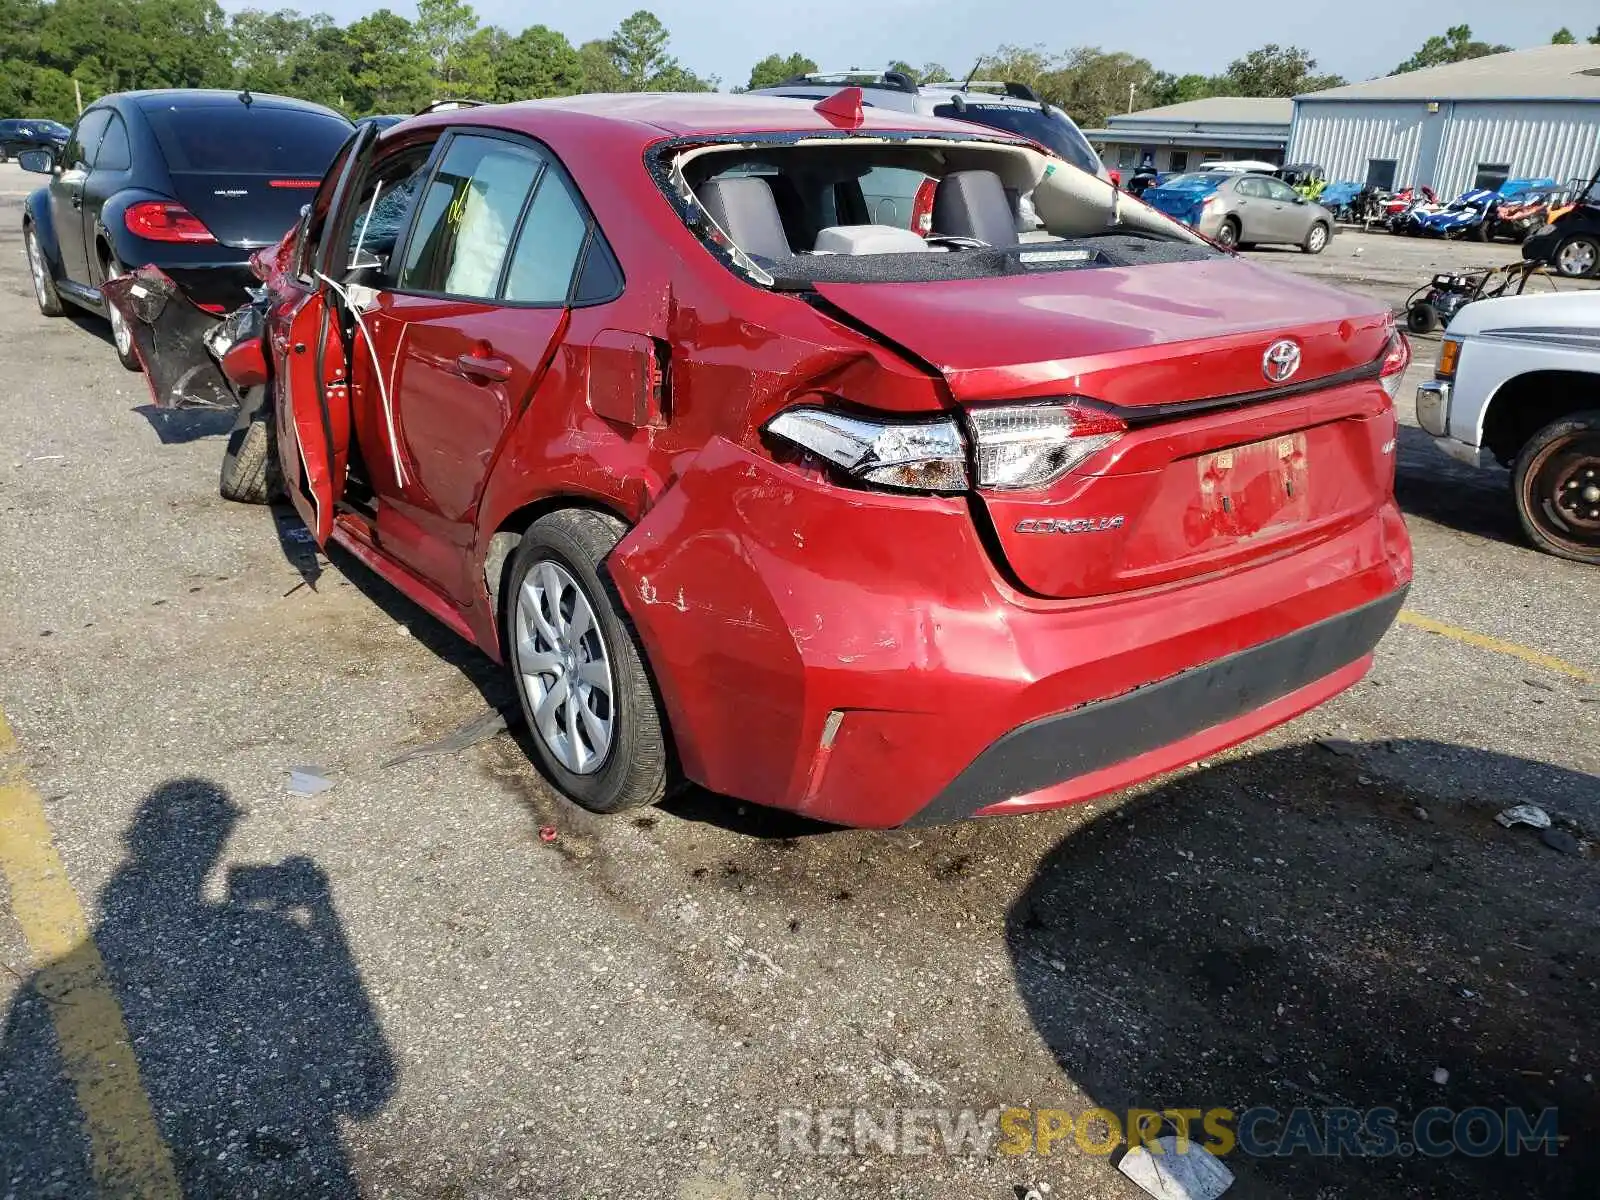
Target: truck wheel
x=250, y=473
x=1555, y=483
x=578, y=668
x=1578, y=256
x=1422, y=317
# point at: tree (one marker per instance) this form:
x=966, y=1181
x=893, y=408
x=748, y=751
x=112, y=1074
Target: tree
x=1092, y=83
x=442, y=28
x=262, y=45
x=774, y=69
x=388, y=67
x=1562, y=37
x=639, y=50
x=1595, y=40
x=1275, y=70
x=538, y=62
x=1456, y=45
x=1166, y=88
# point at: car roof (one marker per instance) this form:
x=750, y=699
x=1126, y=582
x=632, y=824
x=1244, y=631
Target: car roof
x=213, y=98
x=645, y=117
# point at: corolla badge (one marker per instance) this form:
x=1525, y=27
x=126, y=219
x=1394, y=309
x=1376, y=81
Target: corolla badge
x=1281, y=360
x=1070, y=524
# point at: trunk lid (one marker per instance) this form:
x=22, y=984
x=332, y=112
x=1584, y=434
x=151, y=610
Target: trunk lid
x=1219, y=465
x=243, y=211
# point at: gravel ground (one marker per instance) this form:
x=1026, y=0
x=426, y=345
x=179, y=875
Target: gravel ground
x=396, y=988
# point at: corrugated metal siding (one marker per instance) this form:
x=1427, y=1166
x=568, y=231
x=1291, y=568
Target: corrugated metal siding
x=1555, y=139
x=1550, y=138
x=1343, y=137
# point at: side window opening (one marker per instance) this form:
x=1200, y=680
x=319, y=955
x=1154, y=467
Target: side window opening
x=114, y=153
x=85, y=139
x=548, y=245
x=382, y=210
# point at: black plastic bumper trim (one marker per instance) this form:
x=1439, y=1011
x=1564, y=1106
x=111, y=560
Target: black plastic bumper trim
x=1062, y=746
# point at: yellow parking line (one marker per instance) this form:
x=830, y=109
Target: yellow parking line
x=127, y=1155
x=1484, y=642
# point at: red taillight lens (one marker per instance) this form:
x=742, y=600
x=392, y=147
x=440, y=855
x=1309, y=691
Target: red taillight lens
x=165, y=221
x=922, y=208
x=293, y=183
x=219, y=309
x=1396, y=358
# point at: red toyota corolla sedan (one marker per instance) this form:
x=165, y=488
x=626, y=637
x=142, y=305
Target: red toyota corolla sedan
x=847, y=461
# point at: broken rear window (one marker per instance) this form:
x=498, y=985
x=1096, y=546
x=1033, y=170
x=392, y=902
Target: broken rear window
x=793, y=212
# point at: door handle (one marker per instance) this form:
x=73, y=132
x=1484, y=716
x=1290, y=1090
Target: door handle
x=77, y=199
x=486, y=370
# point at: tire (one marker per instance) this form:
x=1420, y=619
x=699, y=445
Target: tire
x=250, y=472
x=559, y=565
x=1316, y=239
x=1555, y=485
x=44, y=288
x=1422, y=317
x=1578, y=257
x=1479, y=232
x=1228, y=235
x=121, y=335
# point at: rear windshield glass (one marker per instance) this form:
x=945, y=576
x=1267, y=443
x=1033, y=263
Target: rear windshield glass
x=248, y=139
x=1043, y=127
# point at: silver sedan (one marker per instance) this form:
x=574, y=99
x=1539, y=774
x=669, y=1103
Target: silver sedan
x=1246, y=210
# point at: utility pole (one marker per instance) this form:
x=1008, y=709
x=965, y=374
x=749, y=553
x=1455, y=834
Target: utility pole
x=1130, y=97
x=77, y=92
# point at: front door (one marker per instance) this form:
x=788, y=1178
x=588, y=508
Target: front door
x=112, y=172
x=477, y=306
x=66, y=193
x=1289, y=215
x=311, y=365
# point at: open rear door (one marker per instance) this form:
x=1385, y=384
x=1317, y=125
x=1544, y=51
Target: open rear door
x=312, y=361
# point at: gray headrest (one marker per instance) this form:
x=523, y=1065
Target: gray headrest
x=747, y=213
x=973, y=204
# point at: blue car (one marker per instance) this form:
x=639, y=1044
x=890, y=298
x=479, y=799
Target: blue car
x=1183, y=197
x=1470, y=214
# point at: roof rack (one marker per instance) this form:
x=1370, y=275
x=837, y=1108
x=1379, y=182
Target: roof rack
x=1018, y=91
x=897, y=81
x=446, y=105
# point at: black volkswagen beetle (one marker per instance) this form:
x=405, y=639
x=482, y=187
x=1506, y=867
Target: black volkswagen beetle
x=190, y=181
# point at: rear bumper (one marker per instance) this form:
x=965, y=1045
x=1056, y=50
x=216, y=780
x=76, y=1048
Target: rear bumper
x=219, y=288
x=1110, y=743
x=856, y=657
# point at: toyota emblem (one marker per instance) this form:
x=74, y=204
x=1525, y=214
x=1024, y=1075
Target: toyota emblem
x=1281, y=360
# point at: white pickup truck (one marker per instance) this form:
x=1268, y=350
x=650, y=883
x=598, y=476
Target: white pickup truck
x=1518, y=383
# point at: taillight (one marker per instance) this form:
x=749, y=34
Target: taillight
x=917, y=456
x=1033, y=445
x=1396, y=358
x=294, y=183
x=922, y=208
x=165, y=221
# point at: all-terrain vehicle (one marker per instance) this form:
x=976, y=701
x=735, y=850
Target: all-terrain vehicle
x=1570, y=240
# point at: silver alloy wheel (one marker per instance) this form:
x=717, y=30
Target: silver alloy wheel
x=36, y=266
x=1576, y=258
x=1319, y=238
x=566, y=671
x=119, y=328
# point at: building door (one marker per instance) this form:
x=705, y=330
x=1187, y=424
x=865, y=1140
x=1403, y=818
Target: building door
x=1428, y=151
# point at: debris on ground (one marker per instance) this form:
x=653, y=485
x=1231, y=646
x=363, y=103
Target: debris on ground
x=1033, y=1191
x=1340, y=747
x=1420, y=813
x=1524, y=814
x=1441, y=1076
x=1560, y=839
x=1171, y=1174
x=308, y=781
x=481, y=728
x=547, y=833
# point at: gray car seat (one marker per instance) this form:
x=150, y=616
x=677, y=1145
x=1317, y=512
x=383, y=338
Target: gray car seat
x=747, y=213
x=973, y=204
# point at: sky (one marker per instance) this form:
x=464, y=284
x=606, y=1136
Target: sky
x=724, y=37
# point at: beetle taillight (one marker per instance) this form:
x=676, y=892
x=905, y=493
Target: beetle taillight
x=165, y=221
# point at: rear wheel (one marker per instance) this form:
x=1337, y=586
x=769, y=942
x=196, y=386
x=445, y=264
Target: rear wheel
x=1316, y=239
x=1556, y=485
x=121, y=331
x=1578, y=256
x=44, y=288
x=578, y=668
x=1228, y=235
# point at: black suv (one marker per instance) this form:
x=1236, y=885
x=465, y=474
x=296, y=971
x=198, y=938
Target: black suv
x=31, y=133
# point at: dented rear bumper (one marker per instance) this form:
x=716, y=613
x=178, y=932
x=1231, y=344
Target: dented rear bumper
x=184, y=348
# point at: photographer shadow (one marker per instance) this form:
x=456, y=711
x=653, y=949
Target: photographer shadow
x=252, y=1029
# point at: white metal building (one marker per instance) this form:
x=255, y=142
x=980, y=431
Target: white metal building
x=1529, y=113
x=1178, y=137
